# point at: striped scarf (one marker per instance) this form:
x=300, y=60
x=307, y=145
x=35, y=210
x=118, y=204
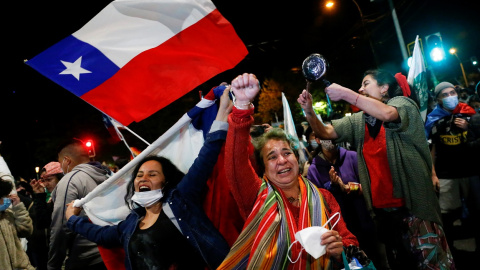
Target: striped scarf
x=271, y=227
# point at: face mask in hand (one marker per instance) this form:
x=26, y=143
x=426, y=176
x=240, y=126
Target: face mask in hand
x=310, y=239
x=147, y=198
x=6, y=203
x=450, y=102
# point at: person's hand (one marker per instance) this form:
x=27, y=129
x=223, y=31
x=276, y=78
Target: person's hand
x=225, y=106
x=15, y=199
x=335, y=179
x=337, y=92
x=333, y=242
x=461, y=123
x=37, y=186
x=71, y=210
x=436, y=183
x=245, y=87
x=305, y=101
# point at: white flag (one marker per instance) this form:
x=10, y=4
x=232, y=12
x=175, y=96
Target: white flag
x=417, y=77
x=289, y=127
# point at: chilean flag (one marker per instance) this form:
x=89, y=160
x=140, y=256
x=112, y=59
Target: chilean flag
x=137, y=56
x=181, y=144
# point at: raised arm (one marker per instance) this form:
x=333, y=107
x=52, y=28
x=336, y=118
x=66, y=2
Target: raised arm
x=372, y=106
x=243, y=181
x=325, y=132
x=193, y=184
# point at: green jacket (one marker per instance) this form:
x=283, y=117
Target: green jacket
x=408, y=157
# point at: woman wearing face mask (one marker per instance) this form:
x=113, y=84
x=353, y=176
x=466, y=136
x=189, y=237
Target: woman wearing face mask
x=279, y=204
x=15, y=222
x=335, y=168
x=167, y=229
x=395, y=167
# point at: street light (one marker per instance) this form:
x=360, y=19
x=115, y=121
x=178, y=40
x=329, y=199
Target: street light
x=453, y=51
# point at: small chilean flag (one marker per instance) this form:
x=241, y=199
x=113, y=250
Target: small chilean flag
x=136, y=56
x=181, y=144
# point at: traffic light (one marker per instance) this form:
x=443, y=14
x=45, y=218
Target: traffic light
x=474, y=60
x=90, y=148
x=435, y=47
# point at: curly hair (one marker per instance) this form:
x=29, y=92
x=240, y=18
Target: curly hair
x=172, y=174
x=273, y=134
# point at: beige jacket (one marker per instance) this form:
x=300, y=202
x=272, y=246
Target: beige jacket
x=15, y=222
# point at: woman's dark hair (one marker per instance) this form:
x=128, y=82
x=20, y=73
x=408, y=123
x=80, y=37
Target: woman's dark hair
x=172, y=174
x=28, y=188
x=273, y=134
x=394, y=90
x=5, y=187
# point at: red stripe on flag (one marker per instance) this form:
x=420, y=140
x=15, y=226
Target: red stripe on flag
x=161, y=75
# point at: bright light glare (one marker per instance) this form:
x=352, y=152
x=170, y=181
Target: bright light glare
x=474, y=63
x=320, y=105
x=437, y=54
x=88, y=144
x=348, y=114
x=409, y=61
x=329, y=4
x=452, y=51
x=37, y=169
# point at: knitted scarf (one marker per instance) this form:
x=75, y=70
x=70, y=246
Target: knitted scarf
x=270, y=229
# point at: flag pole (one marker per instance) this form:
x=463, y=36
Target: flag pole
x=129, y=149
x=116, y=124
x=147, y=143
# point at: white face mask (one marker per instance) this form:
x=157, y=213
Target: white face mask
x=327, y=145
x=450, y=102
x=147, y=198
x=310, y=239
x=314, y=144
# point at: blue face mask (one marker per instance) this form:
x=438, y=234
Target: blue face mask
x=6, y=203
x=313, y=144
x=450, y=102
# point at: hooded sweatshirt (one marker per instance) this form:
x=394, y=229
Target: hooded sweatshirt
x=74, y=185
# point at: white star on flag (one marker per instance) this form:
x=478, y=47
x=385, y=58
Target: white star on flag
x=74, y=68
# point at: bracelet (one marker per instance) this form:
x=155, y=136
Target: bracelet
x=244, y=106
x=356, y=100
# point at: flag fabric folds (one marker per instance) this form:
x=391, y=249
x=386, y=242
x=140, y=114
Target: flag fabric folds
x=181, y=143
x=289, y=127
x=136, y=56
x=417, y=77
x=112, y=127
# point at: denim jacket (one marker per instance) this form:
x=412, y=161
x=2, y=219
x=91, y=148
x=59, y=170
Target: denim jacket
x=183, y=205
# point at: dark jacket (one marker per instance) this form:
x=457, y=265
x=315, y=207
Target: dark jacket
x=185, y=202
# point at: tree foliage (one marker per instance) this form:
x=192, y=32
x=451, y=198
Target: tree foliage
x=270, y=102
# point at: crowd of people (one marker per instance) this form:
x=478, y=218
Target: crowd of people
x=380, y=189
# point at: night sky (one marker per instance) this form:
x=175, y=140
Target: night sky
x=36, y=113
